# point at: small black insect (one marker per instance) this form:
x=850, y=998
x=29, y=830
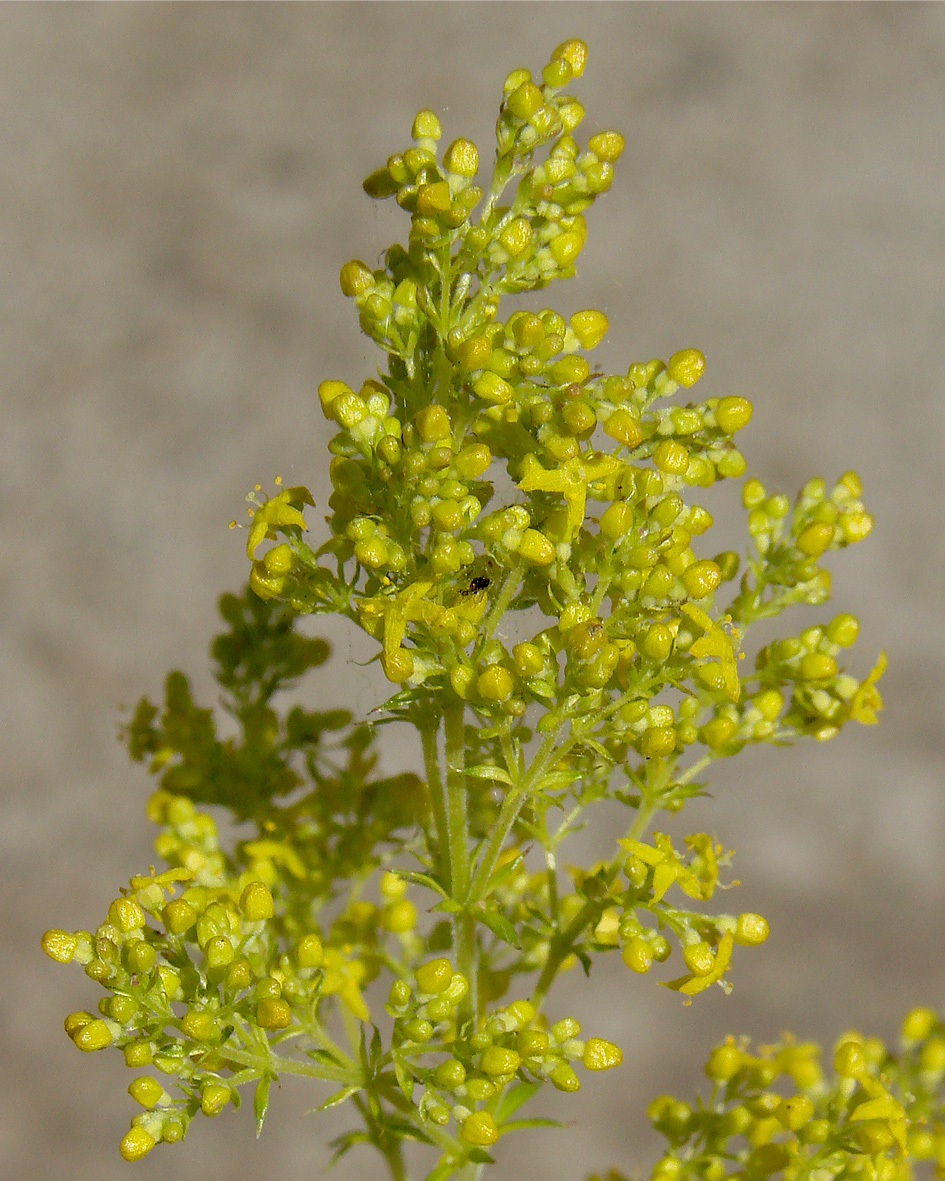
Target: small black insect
x=477, y=584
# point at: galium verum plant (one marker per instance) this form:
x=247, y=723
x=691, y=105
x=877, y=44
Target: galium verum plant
x=520, y=534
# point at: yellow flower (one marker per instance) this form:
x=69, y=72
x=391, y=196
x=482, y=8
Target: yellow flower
x=572, y=480
x=867, y=700
x=689, y=984
x=715, y=643
x=277, y=511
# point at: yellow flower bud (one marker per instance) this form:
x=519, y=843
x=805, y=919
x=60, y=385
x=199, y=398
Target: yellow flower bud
x=732, y=413
x=793, y=1113
x=686, y=367
x=671, y=457
x=495, y=683
x=724, y=1062
x=699, y=958
x=606, y=145
x=426, y=126
x=601, y=1055
x=516, y=236
x=535, y=548
x=433, y=199
x=329, y=391
x=198, y=1025
x=135, y=1144
x=574, y=52
x=273, y=1013
x=434, y=976
x=589, y=327
x=145, y=1090
x=398, y=665
x=256, y=902
x=848, y=1061
x=475, y=353
x=492, y=388
x=498, y=1061
x=813, y=540
x=92, y=1036
x=480, y=1129
x=855, y=525
x=59, y=945
x=566, y=247
x=918, y=1024
x=178, y=916
x=701, y=578
x=751, y=929
x=816, y=666
x=355, y=279
x=658, y=741
x=213, y=1098
x=623, y=427
x=524, y=101
x=637, y=954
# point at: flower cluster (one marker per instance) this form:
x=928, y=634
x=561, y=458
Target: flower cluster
x=521, y=535
x=773, y=1112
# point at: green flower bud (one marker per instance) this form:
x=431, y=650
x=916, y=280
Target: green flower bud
x=623, y=427
x=535, y=549
x=256, y=902
x=606, y=145
x=565, y=1030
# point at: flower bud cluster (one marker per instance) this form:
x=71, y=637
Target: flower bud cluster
x=775, y=1112
x=513, y=1043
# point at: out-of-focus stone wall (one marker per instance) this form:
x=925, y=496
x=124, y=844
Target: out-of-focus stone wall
x=179, y=185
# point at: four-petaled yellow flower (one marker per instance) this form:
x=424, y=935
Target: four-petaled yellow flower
x=715, y=643
x=867, y=700
x=572, y=479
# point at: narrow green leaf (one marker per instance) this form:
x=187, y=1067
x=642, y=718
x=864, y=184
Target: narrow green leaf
x=498, y=924
x=424, y=879
x=338, y=1097
x=516, y=1125
x=502, y=874
x=404, y=1078
x=261, y=1102
x=513, y=1099
x=487, y=771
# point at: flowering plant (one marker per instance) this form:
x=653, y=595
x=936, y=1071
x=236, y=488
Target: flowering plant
x=520, y=533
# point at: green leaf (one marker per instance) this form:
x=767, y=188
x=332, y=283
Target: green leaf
x=498, y=924
x=487, y=771
x=261, y=1102
x=424, y=879
x=404, y=1078
x=502, y=874
x=513, y=1099
x=338, y=1097
x=516, y=1125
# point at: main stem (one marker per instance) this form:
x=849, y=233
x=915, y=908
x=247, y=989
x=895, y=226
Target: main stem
x=457, y=822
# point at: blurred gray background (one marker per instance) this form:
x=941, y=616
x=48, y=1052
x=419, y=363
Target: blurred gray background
x=179, y=186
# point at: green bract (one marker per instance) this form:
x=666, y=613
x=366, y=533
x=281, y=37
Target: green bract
x=520, y=534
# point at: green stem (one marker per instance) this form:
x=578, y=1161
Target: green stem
x=563, y=942
x=431, y=763
x=464, y=924
x=514, y=802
